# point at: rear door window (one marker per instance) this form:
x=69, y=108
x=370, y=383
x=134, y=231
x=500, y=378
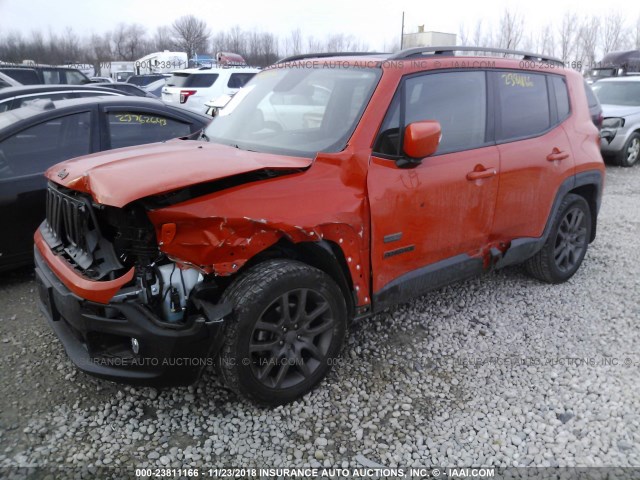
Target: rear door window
x=52, y=76
x=195, y=80
x=239, y=80
x=25, y=76
x=127, y=128
x=562, y=96
x=73, y=77
x=33, y=150
x=523, y=105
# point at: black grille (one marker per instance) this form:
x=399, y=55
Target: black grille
x=71, y=225
x=72, y=230
x=67, y=218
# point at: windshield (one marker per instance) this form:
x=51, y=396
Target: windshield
x=295, y=111
x=603, y=72
x=618, y=93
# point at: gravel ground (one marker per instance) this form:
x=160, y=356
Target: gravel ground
x=500, y=370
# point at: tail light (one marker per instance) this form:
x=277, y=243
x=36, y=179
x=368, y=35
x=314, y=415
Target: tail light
x=185, y=94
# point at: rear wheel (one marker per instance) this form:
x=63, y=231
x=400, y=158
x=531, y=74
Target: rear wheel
x=628, y=156
x=288, y=326
x=564, y=250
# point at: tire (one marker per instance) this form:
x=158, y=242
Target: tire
x=564, y=250
x=273, y=355
x=629, y=154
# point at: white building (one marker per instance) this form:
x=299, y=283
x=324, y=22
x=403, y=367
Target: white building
x=428, y=39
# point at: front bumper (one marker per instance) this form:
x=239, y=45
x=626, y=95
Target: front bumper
x=616, y=144
x=97, y=337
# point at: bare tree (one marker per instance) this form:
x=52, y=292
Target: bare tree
x=163, y=39
x=511, y=30
x=479, y=38
x=547, y=42
x=191, y=35
x=236, y=39
x=589, y=37
x=295, y=39
x=569, y=33
x=463, y=37
x=99, y=51
x=119, y=37
x=36, y=48
x=135, y=43
x=313, y=45
x=268, y=49
x=391, y=46
x=613, y=32
x=219, y=43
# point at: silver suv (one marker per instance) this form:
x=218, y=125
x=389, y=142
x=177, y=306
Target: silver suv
x=620, y=135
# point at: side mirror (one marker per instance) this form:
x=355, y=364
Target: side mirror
x=421, y=139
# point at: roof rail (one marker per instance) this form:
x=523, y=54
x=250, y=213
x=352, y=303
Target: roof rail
x=449, y=51
x=294, y=58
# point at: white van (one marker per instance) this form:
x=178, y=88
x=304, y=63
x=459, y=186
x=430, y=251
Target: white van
x=193, y=87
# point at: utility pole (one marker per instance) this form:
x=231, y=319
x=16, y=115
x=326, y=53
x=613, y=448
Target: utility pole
x=402, y=33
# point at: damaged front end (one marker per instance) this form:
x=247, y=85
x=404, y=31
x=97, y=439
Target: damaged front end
x=121, y=307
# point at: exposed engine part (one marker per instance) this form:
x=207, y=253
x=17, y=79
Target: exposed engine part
x=172, y=287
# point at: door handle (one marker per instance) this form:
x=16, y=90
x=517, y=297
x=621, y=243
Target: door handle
x=478, y=175
x=557, y=154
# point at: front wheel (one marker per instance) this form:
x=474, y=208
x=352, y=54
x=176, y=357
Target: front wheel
x=288, y=326
x=629, y=154
x=564, y=250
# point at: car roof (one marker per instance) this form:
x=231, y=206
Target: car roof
x=27, y=89
x=625, y=78
x=204, y=70
x=107, y=84
x=48, y=106
x=507, y=57
x=34, y=67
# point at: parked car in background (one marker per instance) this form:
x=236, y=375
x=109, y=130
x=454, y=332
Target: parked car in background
x=7, y=81
x=316, y=196
x=101, y=80
x=620, y=135
x=122, y=76
x=155, y=87
x=16, y=97
x=127, y=88
x=35, y=137
x=160, y=62
x=193, y=87
x=144, y=80
x=616, y=64
x=49, y=75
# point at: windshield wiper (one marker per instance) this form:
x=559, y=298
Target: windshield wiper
x=203, y=136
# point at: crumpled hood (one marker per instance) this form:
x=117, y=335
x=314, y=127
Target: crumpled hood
x=619, y=111
x=118, y=177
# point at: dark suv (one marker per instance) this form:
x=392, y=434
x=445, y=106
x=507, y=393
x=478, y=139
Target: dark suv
x=51, y=75
x=329, y=188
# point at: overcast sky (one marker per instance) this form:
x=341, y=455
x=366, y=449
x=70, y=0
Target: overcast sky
x=373, y=21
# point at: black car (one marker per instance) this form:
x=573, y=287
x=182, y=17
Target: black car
x=45, y=74
x=144, y=80
x=16, y=97
x=35, y=137
x=128, y=88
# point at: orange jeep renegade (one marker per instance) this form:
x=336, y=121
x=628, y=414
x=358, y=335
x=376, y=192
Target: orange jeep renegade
x=331, y=187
